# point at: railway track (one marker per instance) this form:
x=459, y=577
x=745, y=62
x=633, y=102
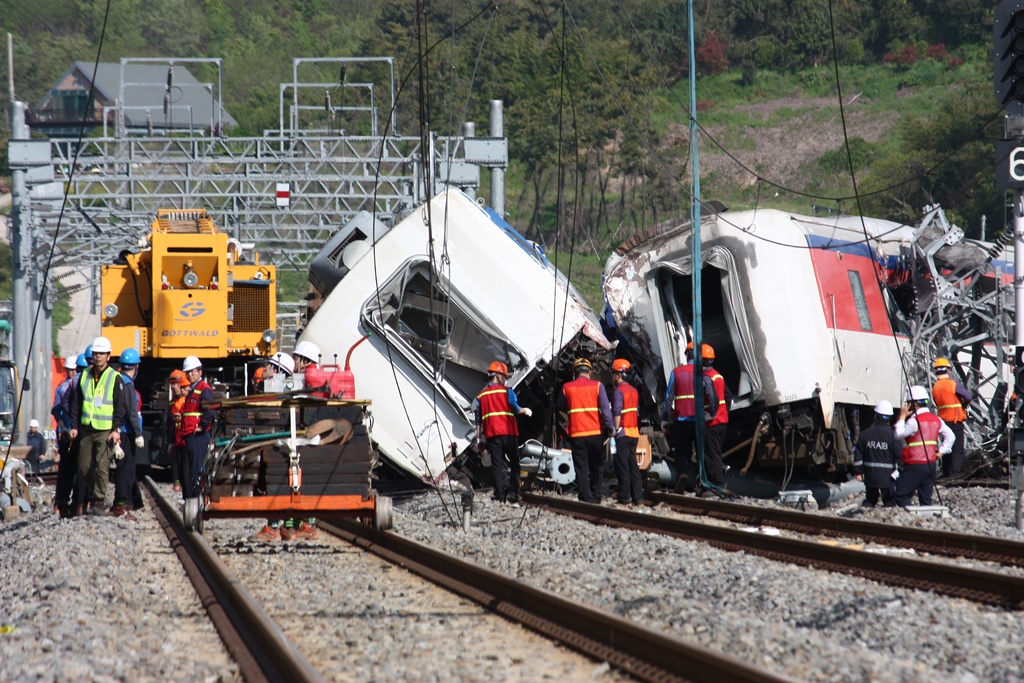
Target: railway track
x=977, y=585
x=264, y=652
x=255, y=642
x=949, y=544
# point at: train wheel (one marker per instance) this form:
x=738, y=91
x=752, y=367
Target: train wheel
x=382, y=517
x=190, y=514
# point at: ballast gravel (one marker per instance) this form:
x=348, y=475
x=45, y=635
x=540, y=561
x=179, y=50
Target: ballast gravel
x=100, y=600
x=806, y=624
x=104, y=599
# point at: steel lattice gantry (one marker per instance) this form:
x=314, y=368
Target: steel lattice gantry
x=117, y=184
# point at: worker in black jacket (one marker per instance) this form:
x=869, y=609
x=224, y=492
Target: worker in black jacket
x=874, y=461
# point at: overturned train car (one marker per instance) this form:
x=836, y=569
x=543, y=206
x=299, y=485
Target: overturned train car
x=813, y=321
x=434, y=300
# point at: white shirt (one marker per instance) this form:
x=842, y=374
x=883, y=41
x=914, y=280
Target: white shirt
x=909, y=428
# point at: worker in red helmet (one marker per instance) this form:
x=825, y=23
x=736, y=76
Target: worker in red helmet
x=678, y=416
x=951, y=401
x=496, y=410
x=714, y=434
x=589, y=422
x=625, y=421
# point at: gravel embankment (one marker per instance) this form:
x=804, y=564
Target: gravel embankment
x=99, y=599
x=102, y=599
x=803, y=623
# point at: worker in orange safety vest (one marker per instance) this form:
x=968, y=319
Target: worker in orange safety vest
x=585, y=402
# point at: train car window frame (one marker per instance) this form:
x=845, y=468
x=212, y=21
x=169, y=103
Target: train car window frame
x=859, y=300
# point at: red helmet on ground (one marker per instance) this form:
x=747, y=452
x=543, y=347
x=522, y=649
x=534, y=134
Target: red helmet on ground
x=620, y=365
x=497, y=367
x=706, y=352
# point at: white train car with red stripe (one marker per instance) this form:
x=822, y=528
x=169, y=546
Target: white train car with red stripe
x=796, y=311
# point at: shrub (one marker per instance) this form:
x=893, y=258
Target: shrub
x=711, y=59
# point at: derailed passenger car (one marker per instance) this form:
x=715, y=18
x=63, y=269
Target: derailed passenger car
x=441, y=294
x=794, y=310
x=814, y=320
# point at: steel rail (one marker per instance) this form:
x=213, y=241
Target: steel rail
x=639, y=651
x=947, y=543
x=254, y=641
x=977, y=585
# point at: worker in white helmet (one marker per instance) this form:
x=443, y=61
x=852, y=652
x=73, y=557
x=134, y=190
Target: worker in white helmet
x=875, y=458
x=307, y=364
x=37, y=441
x=926, y=439
x=197, y=418
x=97, y=414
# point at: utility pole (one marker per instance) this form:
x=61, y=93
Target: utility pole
x=1008, y=79
x=20, y=248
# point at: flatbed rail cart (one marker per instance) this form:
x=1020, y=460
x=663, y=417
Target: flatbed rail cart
x=291, y=455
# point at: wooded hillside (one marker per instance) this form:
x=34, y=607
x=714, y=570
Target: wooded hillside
x=597, y=99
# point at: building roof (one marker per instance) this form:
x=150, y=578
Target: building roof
x=192, y=103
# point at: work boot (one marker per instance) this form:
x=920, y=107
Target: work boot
x=307, y=532
x=289, y=533
x=121, y=510
x=267, y=534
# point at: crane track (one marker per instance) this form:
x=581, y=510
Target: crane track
x=976, y=585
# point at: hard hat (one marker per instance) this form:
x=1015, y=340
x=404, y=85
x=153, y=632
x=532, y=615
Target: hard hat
x=582, y=364
x=706, y=352
x=283, y=361
x=307, y=350
x=620, y=365
x=689, y=347
x=69, y=362
x=191, y=363
x=33, y=423
x=101, y=345
x=177, y=377
x=884, y=408
x=88, y=352
x=917, y=393
x=942, y=363
x=129, y=357
x=81, y=362
x=497, y=367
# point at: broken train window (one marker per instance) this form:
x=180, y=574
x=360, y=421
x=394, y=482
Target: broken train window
x=431, y=322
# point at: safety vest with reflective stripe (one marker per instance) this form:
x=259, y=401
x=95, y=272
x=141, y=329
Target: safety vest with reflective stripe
x=581, y=399
x=947, y=402
x=496, y=416
x=190, y=412
x=920, y=447
x=684, y=403
x=629, y=419
x=722, y=410
x=98, y=400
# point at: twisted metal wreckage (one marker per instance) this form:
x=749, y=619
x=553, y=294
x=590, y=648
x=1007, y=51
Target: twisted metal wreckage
x=814, y=320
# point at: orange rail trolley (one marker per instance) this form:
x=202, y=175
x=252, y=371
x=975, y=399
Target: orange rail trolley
x=291, y=456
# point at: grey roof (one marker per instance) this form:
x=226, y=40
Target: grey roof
x=144, y=88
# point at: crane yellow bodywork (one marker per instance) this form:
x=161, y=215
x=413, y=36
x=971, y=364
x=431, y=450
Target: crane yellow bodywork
x=191, y=291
